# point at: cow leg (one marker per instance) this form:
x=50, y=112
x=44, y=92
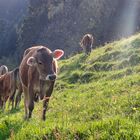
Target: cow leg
x=25, y=102
x=3, y=105
x=25, y=107
x=9, y=103
x=46, y=100
x=12, y=90
x=88, y=49
x=31, y=101
x=45, y=106
x=11, y=99
x=18, y=99
x=18, y=96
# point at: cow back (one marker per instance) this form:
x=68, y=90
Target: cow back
x=87, y=40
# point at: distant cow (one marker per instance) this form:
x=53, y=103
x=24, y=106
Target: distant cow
x=3, y=69
x=86, y=43
x=38, y=71
x=8, y=87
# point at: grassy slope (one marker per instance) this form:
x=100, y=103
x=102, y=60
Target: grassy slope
x=96, y=97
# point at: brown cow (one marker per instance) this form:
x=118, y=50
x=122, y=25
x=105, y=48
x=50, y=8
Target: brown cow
x=3, y=69
x=8, y=87
x=86, y=43
x=38, y=71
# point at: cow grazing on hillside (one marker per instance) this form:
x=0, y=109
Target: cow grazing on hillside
x=8, y=87
x=3, y=69
x=86, y=43
x=38, y=71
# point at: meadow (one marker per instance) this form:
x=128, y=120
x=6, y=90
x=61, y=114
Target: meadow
x=96, y=97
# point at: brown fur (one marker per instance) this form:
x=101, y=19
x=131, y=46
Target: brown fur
x=8, y=87
x=87, y=42
x=30, y=78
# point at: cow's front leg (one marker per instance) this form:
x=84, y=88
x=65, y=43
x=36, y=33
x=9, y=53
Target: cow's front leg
x=45, y=106
x=46, y=99
x=25, y=102
x=11, y=101
x=31, y=101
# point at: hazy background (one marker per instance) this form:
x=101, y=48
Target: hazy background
x=62, y=23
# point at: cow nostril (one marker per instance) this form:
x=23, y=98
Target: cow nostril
x=52, y=77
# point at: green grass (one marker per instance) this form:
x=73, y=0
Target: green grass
x=96, y=97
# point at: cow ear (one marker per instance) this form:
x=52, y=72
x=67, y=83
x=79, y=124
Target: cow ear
x=31, y=61
x=57, y=54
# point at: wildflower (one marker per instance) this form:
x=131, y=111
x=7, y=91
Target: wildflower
x=134, y=108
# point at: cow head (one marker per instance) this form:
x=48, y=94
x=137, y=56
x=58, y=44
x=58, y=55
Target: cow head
x=44, y=61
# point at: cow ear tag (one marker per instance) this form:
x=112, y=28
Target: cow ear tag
x=31, y=61
x=57, y=54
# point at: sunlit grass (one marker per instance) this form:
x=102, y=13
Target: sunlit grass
x=95, y=97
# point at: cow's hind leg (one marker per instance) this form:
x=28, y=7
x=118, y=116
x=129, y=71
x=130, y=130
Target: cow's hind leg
x=18, y=99
x=11, y=100
x=18, y=96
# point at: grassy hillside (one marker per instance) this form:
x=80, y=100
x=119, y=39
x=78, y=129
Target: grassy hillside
x=96, y=97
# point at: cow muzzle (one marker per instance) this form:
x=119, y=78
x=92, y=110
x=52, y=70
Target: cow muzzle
x=51, y=77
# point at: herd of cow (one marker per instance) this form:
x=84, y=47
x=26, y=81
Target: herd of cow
x=35, y=77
